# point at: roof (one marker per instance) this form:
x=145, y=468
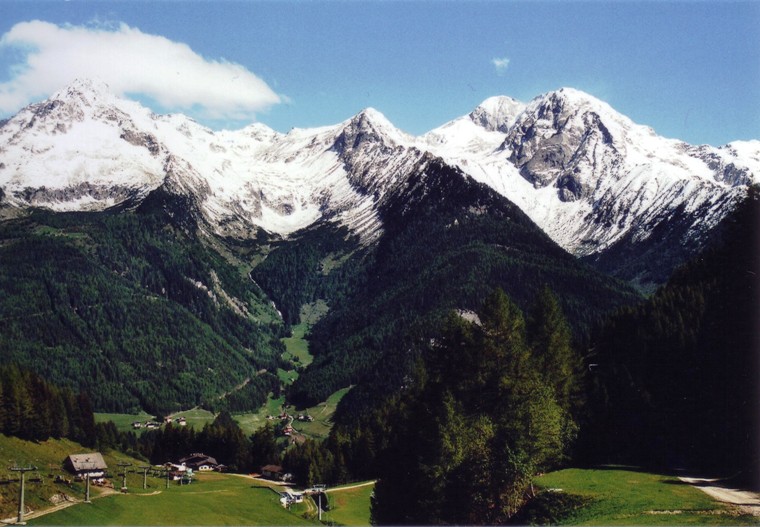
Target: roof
x=197, y=459
x=271, y=468
x=92, y=461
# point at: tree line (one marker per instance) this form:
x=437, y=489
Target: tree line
x=31, y=408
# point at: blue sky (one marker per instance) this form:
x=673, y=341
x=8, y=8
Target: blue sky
x=691, y=70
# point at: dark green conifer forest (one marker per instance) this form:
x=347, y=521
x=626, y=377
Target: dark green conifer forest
x=675, y=378
x=34, y=409
x=134, y=311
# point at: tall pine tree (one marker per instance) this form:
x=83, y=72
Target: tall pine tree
x=480, y=420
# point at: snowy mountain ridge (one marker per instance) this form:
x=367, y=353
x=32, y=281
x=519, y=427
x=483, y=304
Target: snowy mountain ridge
x=587, y=175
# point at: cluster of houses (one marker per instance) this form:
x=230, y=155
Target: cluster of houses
x=196, y=462
x=152, y=425
x=285, y=416
x=94, y=467
x=288, y=429
x=288, y=498
x=282, y=417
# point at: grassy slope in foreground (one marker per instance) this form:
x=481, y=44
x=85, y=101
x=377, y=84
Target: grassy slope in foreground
x=350, y=505
x=627, y=497
x=48, y=457
x=214, y=499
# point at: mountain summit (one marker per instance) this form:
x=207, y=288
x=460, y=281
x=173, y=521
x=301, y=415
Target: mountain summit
x=497, y=114
x=593, y=180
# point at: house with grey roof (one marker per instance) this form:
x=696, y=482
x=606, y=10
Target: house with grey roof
x=92, y=465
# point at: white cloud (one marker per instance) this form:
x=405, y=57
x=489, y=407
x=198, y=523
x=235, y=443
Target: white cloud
x=131, y=62
x=500, y=65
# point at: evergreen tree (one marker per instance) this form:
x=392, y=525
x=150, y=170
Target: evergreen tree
x=17, y=404
x=476, y=425
x=553, y=352
x=264, y=449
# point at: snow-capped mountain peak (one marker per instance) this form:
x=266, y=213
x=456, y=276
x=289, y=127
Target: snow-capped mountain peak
x=497, y=113
x=590, y=177
x=83, y=148
x=478, y=133
x=369, y=126
x=85, y=90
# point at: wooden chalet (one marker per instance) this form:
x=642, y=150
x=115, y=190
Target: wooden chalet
x=200, y=462
x=83, y=465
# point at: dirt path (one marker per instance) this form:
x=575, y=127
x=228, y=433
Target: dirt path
x=746, y=501
x=104, y=491
x=365, y=484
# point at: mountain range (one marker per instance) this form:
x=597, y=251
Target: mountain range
x=156, y=263
x=605, y=189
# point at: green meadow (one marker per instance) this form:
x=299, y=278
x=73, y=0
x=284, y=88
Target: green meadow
x=616, y=496
x=349, y=505
x=322, y=413
x=599, y=496
x=213, y=499
x=124, y=422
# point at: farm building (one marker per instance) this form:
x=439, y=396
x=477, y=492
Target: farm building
x=92, y=465
x=200, y=462
x=276, y=473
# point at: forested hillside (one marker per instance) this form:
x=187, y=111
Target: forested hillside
x=308, y=267
x=675, y=378
x=448, y=244
x=133, y=310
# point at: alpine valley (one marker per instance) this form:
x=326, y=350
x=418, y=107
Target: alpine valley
x=156, y=264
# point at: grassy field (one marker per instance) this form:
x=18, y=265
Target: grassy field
x=287, y=377
x=195, y=417
x=250, y=422
x=322, y=414
x=124, y=421
x=318, y=429
x=631, y=497
x=296, y=346
x=350, y=506
x=613, y=496
x=214, y=499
